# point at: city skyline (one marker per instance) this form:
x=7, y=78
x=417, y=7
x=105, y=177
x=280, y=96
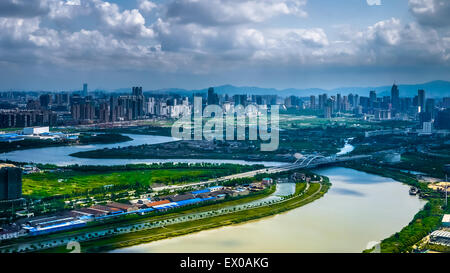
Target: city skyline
x=194, y=44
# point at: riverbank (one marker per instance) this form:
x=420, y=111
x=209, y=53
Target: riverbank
x=425, y=221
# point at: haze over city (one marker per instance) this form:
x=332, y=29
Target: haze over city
x=57, y=44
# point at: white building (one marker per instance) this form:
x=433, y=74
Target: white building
x=35, y=130
x=427, y=127
x=446, y=220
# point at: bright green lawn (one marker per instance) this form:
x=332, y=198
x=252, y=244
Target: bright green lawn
x=61, y=183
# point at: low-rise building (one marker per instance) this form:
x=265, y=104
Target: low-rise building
x=11, y=232
x=35, y=130
x=157, y=203
x=121, y=206
x=106, y=209
x=267, y=181
x=181, y=197
x=216, y=188
x=256, y=186
x=446, y=220
x=440, y=237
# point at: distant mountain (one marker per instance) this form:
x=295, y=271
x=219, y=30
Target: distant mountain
x=432, y=89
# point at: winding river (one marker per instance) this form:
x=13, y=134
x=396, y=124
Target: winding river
x=358, y=210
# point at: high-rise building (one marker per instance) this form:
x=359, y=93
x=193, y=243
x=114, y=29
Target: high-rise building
x=10, y=182
x=351, y=100
x=103, y=113
x=372, y=98
x=446, y=102
x=85, y=89
x=429, y=108
x=45, y=100
x=421, y=100
x=364, y=102
x=312, y=102
x=137, y=91
x=322, y=100
x=395, y=97
x=328, y=109
x=338, y=102
x=213, y=98
x=443, y=119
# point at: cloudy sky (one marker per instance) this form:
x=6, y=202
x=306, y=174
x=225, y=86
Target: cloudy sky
x=59, y=44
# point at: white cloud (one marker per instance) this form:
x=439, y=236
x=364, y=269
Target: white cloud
x=18, y=29
x=73, y=2
x=231, y=12
x=374, y=2
x=146, y=6
x=128, y=23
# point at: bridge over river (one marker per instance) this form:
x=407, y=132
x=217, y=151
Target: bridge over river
x=303, y=162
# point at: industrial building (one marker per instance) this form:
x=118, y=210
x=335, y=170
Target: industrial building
x=10, y=137
x=10, y=182
x=440, y=237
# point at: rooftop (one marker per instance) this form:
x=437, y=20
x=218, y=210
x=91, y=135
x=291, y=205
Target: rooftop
x=6, y=165
x=446, y=218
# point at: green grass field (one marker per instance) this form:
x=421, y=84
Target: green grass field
x=47, y=184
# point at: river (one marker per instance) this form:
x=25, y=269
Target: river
x=358, y=210
x=61, y=155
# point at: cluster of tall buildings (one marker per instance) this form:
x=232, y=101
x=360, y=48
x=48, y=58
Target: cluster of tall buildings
x=64, y=108
x=384, y=108
x=49, y=109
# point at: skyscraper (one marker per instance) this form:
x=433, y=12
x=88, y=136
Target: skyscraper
x=372, y=98
x=312, y=102
x=338, y=102
x=45, y=100
x=421, y=100
x=85, y=89
x=137, y=91
x=395, y=97
x=429, y=106
x=213, y=98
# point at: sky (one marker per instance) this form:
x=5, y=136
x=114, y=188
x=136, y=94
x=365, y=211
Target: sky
x=192, y=44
